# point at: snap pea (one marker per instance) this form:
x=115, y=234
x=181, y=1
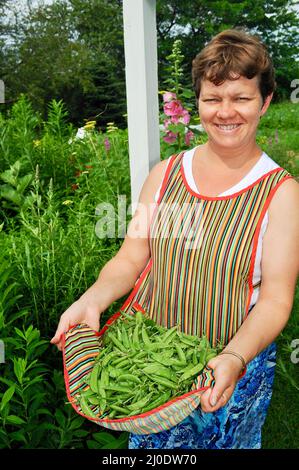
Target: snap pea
x=120, y=408
x=136, y=343
x=139, y=404
x=163, y=381
x=168, y=336
x=129, y=378
x=158, y=402
x=117, y=343
x=125, y=338
x=180, y=353
x=108, y=358
x=160, y=370
x=145, y=336
x=94, y=377
x=139, y=317
x=192, y=371
x=85, y=408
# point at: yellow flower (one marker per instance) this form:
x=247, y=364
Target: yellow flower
x=111, y=127
x=67, y=202
x=90, y=125
x=37, y=143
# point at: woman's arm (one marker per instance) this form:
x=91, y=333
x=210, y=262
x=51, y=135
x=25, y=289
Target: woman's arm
x=280, y=268
x=119, y=275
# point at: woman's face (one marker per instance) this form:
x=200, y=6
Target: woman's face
x=230, y=112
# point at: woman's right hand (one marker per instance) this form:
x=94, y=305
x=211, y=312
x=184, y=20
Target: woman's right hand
x=80, y=311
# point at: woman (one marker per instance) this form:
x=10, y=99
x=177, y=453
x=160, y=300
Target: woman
x=219, y=252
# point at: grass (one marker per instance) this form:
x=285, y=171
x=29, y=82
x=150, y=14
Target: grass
x=281, y=430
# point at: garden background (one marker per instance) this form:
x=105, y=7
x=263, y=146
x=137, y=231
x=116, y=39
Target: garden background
x=62, y=64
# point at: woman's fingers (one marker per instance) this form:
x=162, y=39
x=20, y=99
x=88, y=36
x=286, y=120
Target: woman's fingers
x=208, y=405
x=73, y=316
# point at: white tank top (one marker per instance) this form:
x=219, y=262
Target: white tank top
x=263, y=166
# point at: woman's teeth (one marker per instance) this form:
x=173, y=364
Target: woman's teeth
x=227, y=127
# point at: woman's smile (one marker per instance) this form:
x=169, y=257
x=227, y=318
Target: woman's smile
x=228, y=128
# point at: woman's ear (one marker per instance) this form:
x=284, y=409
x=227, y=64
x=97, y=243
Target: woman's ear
x=266, y=104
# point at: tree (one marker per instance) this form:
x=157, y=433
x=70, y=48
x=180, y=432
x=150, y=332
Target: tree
x=73, y=49
x=196, y=22
x=67, y=50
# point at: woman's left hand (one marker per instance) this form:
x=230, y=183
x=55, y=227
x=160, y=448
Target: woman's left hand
x=226, y=370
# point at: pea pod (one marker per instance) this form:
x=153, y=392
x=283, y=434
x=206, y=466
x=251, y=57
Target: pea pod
x=145, y=336
x=125, y=338
x=139, y=317
x=106, y=359
x=158, y=402
x=139, y=404
x=181, y=354
x=85, y=408
x=192, y=371
x=169, y=335
x=117, y=343
x=210, y=355
x=160, y=370
x=129, y=378
x=163, y=381
x=93, y=383
x=136, y=343
x=120, y=409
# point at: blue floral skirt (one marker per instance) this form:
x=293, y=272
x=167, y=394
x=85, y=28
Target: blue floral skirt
x=237, y=425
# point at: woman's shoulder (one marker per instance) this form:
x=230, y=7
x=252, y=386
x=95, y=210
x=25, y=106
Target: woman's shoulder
x=286, y=196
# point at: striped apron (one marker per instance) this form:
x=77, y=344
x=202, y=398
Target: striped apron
x=200, y=276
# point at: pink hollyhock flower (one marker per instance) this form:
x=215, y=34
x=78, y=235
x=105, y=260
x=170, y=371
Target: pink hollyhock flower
x=188, y=137
x=175, y=119
x=167, y=122
x=170, y=137
x=169, y=96
x=185, y=118
x=173, y=108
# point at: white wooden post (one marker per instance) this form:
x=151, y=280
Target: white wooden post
x=140, y=38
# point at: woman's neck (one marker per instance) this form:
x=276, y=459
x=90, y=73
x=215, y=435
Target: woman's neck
x=230, y=158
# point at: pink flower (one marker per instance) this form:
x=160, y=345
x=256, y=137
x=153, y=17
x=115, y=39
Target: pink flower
x=185, y=118
x=188, y=137
x=169, y=96
x=173, y=108
x=107, y=144
x=170, y=137
x=167, y=122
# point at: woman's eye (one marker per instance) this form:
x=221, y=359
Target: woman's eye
x=242, y=98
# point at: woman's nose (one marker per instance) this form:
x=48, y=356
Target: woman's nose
x=225, y=109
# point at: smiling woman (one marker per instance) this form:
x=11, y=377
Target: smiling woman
x=218, y=256
x=237, y=282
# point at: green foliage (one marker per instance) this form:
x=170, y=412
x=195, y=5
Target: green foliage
x=196, y=22
x=50, y=254
x=73, y=50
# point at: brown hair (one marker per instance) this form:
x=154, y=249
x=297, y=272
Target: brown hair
x=231, y=54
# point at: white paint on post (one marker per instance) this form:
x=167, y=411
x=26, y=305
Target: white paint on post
x=140, y=38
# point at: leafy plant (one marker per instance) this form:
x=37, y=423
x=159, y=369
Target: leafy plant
x=13, y=192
